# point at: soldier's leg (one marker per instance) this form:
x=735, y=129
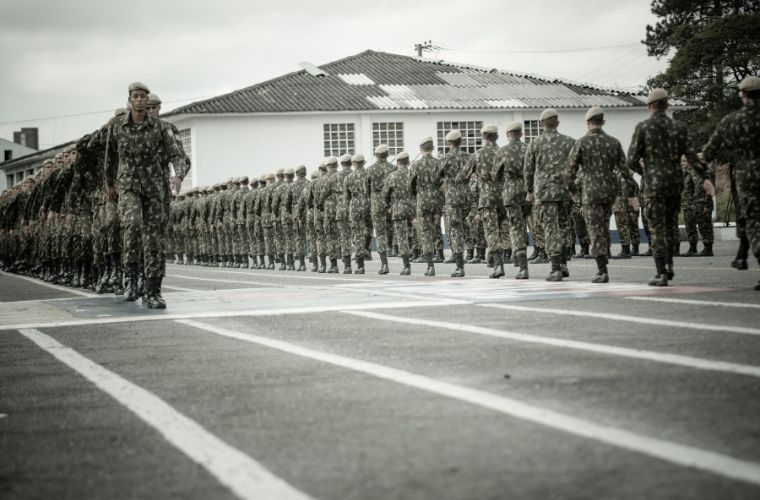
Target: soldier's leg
x=597, y=220
x=633, y=227
x=624, y=234
x=704, y=223
x=692, y=234
x=379, y=224
x=660, y=224
x=456, y=233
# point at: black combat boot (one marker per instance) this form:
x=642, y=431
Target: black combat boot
x=542, y=257
x=522, y=261
x=383, y=263
x=625, y=253
x=86, y=274
x=333, y=266
x=482, y=254
x=430, y=271
x=489, y=260
x=283, y=265
x=301, y=263
x=116, y=281
x=359, y=264
x=314, y=263
x=322, y=264
x=459, y=271
x=407, y=270
x=661, y=279
x=498, y=265
x=602, y=276
x=106, y=273
x=131, y=292
x=76, y=276
x=740, y=262
x=556, y=272
x=563, y=262
x=676, y=251
x=692, y=252
x=153, y=299
x=506, y=256
x=270, y=267
x=584, y=251
x=706, y=251
x=635, y=250
x=291, y=262
x=142, y=283
x=470, y=255
x=347, y=264
x=439, y=258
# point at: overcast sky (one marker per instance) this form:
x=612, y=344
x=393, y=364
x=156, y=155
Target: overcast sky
x=77, y=57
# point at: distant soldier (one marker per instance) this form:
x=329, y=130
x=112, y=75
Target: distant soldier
x=311, y=230
x=267, y=220
x=329, y=193
x=397, y=196
x=661, y=142
x=240, y=236
x=286, y=219
x=456, y=197
x=298, y=191
x=358, y=199
x=425, y=184
x=341, y=214
x=601, y=159
x=318, y=214
x=737, y=137
x=376, y=174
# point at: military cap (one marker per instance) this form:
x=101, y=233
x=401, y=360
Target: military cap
x=209, y=189
x=454, y=135
x=263, y=178
x=426, y=140
x=244, y=179
x=217, y=186
x=346, y=158
x=301, y=168
x=120, y=111
x=489, y=129
x=58, y=156
x=594, y=111
x=47, y=162
x=330, y=160
x=315, y=174
x=548, y=113
x=749, y=84
x=270, y=176
x=402, y=156
x=357, y=158
x=514, y=126
x=289, y=171
x=322, y=163
x=382, y=148
x=657, y=95
x=138, y=86
x=153, y=99
x=279, y=171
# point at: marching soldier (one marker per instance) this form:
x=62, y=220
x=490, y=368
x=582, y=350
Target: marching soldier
x=397, y=196
x=425, y=184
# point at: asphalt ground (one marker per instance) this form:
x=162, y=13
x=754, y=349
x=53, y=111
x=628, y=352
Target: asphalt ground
x=271, y=384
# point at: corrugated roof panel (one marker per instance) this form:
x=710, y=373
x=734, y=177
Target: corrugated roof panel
x=356, y=79
x=415, y=104
x=459, y=79
x=504, y=103
x=383, y=102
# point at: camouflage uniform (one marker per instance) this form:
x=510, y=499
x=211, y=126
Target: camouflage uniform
x=356, y=191
x=425, y=184
x=508, y=171
x=329, y=197
x=376, y=174
x=456, y=197
x=341, y=215
x=298, y=193
x=397, y=196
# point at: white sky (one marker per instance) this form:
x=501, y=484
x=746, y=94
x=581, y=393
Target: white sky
x=77, y=57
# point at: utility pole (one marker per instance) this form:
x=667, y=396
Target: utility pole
x=423, y=47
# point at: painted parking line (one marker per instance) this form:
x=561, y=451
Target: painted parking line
x=243, y=475
x=679, y=454
x=629, y=319
x=36, y=281
x=653, y=356
x=743, y=305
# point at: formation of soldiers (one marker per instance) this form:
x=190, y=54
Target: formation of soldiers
x=63, y=227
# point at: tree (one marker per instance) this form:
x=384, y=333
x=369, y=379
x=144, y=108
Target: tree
x=716, y=45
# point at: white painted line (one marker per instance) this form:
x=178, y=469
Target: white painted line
x=59, y=299
x=75, y=291
x=160, y=316
x=281, y=274
x=684, y=455
x=182, y=289
x=619, y=265
x=657, y=357
x=217, y=280
x=630, y=319
x=697, y=302
x=245, y=477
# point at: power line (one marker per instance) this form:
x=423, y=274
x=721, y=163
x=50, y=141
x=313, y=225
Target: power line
x=615, y=62
x=542, y=51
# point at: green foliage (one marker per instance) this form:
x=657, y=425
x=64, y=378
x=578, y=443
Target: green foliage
x=716, y=43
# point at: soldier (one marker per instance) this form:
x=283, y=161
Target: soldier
x=661, y=142
x=376, y=174
x=475, y=238
x=621, y=208
x=508, y=170
x=456, y=202
x=329, y=193
x=286, y=219
x=602, y=161
x=697, y=210
x=397, y=196
x=356, y=191
x=737, y=137
x=249, y=222
x=311, y=230
x=267, y=220
x=544, y=167
x=425, y=184
x=318, y=215
x=341, y=214
x=258, y=223
x=298, y=192
x=137, y=143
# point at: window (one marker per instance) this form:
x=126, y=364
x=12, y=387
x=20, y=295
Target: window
x=471, y=139
x=7, y=154
x=391, y=133
x=9, y=181
x=338, y=139
x=19, y=177
x=531, y=130
x=30, y=172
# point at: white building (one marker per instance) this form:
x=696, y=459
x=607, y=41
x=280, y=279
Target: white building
x=11, y=150
x=356, y=103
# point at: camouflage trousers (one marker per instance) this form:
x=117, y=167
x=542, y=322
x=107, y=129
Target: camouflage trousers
x=240, y=242
x=662, y=214
x=331, y=234
x=473, y=230
x=380, y=225
x=624, y=230
x=536, y=229
x=319, y=231
x=270, y=239
x=299, y=238
x=555, y=219
x=578, y=226
x=344, y=228
x=455, y=221
x=429, y=228
x=359, y=231
x=142, y=219
x=83, y=238
x=284, y=237
x=402, y=229
x=597, y=217
x=250, y=228
x=514, y=222
x=113, y=228
x=311, y=232
x=633, y=226
x=492, y=226
x=698, y=221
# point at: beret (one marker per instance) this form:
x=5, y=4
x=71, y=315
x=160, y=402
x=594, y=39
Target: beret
x=331, y=160
x=454, y=135
x=301, y=168
x=315, y=174
x=358, y=157
x=153, y=99
x=382, y=148
x=657, y=95
x=244, y=179
x=270, y=176
x=594, y=111
x=750, y=83
x=548, y=113
x=346, y=158
x=426, y=140
x=402, y=156
x=289, y=171
x=263, y=178
x=138, y=86
x=514, y=126
x=279, y=171
x=489, y=129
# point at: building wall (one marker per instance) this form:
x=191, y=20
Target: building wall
x=16, y=151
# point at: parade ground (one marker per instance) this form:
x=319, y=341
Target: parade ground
x=269, y=384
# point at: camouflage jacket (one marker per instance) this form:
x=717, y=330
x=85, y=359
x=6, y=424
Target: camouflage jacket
x=508, y=171
x=249, y=207
x=330, y=192
x=356, y=191
x=297, y=192
x=396, y=194
x=341, y=211
x=601, y=159
x=425, y=184
x=661, y=142
x=455, y=188
x=545, y=166
x=481, y=164
x=376, y=175
x=237, y=205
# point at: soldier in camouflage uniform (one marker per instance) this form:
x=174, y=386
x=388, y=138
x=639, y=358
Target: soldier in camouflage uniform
x=279, y=188
x=457, y=199
x=537, y=233
x=474, y=236
x=258, y=223
x=544, y=168
x=329, y=194
x=240, y=239
x=341, y=214
x=286, y=219
x=425, y=184
x=298, y=192
x=205, y=214
x=311, y=230
x=249, y=221
x=267, y=219
x=508, y=171
x=737, y=138
x=318, y=215
x=621, y=208
x=602, y=161
x=356, y=192
x=376, y=174
x=137, y=145
x=697, y=210
x=397, y=196
x=661, y=142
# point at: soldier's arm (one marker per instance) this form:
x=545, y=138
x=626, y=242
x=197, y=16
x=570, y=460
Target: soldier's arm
x=636, y=151
x=529, y=169
x=572, y=165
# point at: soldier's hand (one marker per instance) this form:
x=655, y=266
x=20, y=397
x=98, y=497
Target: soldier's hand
x=529, y=198
x=709, y=187
x=633, y=203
